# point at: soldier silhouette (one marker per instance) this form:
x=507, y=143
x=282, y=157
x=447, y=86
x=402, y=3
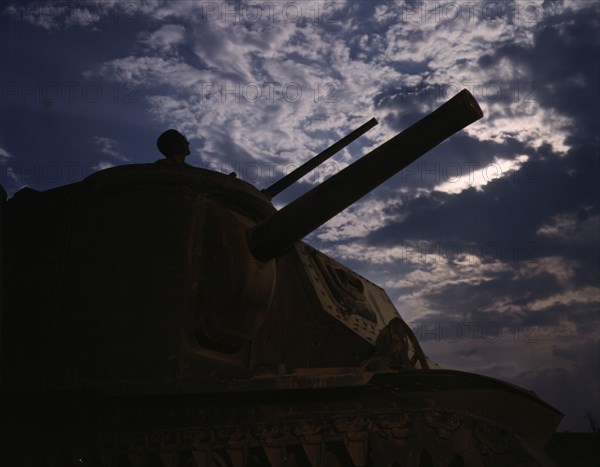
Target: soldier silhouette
x=174, y=146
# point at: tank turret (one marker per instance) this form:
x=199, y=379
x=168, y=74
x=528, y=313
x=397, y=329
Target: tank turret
x=167, y=315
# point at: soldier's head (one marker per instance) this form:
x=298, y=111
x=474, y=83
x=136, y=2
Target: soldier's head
x=173, y=145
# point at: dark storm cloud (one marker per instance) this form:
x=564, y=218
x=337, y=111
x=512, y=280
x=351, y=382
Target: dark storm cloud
x=514, y=207
x=584, y=354
x=566, y=47
x=563, y=64
x=472, y=304
x=509, y=209
x=474, y=300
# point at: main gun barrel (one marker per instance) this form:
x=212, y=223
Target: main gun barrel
x=274, y=235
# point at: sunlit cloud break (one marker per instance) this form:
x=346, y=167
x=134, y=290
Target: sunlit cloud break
x=457, y=182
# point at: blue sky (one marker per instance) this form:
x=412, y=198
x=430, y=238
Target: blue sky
x=488, y=245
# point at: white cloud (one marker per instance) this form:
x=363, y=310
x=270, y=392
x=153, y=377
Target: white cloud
x=419, y=270
x=7, y=172
x=358, y=220
x=569, y=298
x=5, y=154
x=165, y=39
x=57, y=15
x=103, y=165
x=241, y=92
x=151, y=71
x=107, y=146
x=480, y=177
x=524, y=121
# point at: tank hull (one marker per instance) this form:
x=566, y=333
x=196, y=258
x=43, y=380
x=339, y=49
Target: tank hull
x=138, y=330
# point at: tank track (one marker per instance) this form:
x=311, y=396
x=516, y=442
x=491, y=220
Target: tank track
x=291, y=428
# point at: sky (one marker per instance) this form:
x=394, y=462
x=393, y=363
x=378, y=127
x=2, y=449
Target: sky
x=488, y=245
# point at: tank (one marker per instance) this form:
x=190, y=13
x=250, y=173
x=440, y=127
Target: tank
x=170, y=316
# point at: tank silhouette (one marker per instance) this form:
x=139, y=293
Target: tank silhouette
x=171, y=316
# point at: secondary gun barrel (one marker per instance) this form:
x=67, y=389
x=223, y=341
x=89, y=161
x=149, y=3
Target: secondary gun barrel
x=301, y=171
x=274, y=235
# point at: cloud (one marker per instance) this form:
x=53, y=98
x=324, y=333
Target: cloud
x=164, y=40
x=103, y=165
x=568, y=298
x=56, y=15
x=7, y=171
x=574, y=227
x=477, y=179
x=107, y=146
x=344, y=226
x=565, y=86
x=150, y=71
x=234, y=60
x=5, y=154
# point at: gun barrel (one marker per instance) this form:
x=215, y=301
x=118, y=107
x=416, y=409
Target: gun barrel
x=301, y=171
x=274, y=235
